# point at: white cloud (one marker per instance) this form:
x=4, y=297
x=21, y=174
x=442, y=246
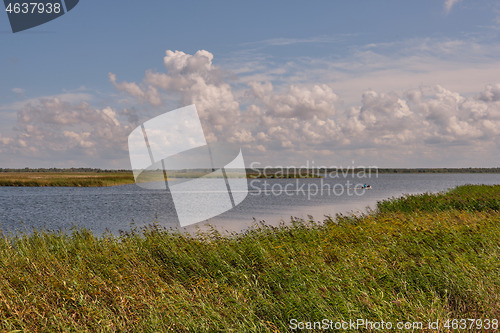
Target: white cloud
x=193, y=79
x=299, y=120
x=52, y=126
x=4, y=141
x=297, y=101
x=69, y=97
x=491, y=93
x=401, y=66
x=389, y=123
x=149, y=95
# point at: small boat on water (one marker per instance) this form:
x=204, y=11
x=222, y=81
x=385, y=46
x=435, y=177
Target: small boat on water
x=363, y=187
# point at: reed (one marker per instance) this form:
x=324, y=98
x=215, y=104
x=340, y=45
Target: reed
x=68, y=179
x=467, y=197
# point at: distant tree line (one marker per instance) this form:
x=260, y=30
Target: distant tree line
x=283, y=171
x=94, y=170
x=440, y=170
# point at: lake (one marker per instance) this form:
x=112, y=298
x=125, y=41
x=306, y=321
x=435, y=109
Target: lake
x=121, y=208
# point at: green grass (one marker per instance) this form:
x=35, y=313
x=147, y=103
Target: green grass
x=72, y=179
x=413, y=265
x=467, y=197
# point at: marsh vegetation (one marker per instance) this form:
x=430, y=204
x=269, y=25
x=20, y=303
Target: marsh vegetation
x=416, y=258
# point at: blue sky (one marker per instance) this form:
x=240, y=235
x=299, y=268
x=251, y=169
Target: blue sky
x=385, y=83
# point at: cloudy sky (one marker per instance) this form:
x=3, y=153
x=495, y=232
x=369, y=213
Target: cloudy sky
x=385, y=83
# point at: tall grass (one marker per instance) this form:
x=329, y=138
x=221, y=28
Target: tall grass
x=390, y=266
x=466, y=197
x=69, y=179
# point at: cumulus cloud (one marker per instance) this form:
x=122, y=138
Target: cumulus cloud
x=266, y=118
x=297, y=101
x=423, y=117
x=299, y=117
x=150, y=94
x=193, y=79
x=283, y=123
x=431, y=120
x=55, y=126
x=491, y=93
x=270, y=119
x=383, y=119
x=4, y=141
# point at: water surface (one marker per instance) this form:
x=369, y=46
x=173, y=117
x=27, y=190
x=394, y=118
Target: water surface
x=273, y=200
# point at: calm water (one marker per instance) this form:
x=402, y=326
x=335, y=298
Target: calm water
x=127, y=206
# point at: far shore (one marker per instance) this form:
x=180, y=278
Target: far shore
x=91, y=177
x=66, y=178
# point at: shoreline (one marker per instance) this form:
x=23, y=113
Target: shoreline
x=104, y=178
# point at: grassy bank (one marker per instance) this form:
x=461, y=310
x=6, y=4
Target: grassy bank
x=74, y=179
x=406, y=262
